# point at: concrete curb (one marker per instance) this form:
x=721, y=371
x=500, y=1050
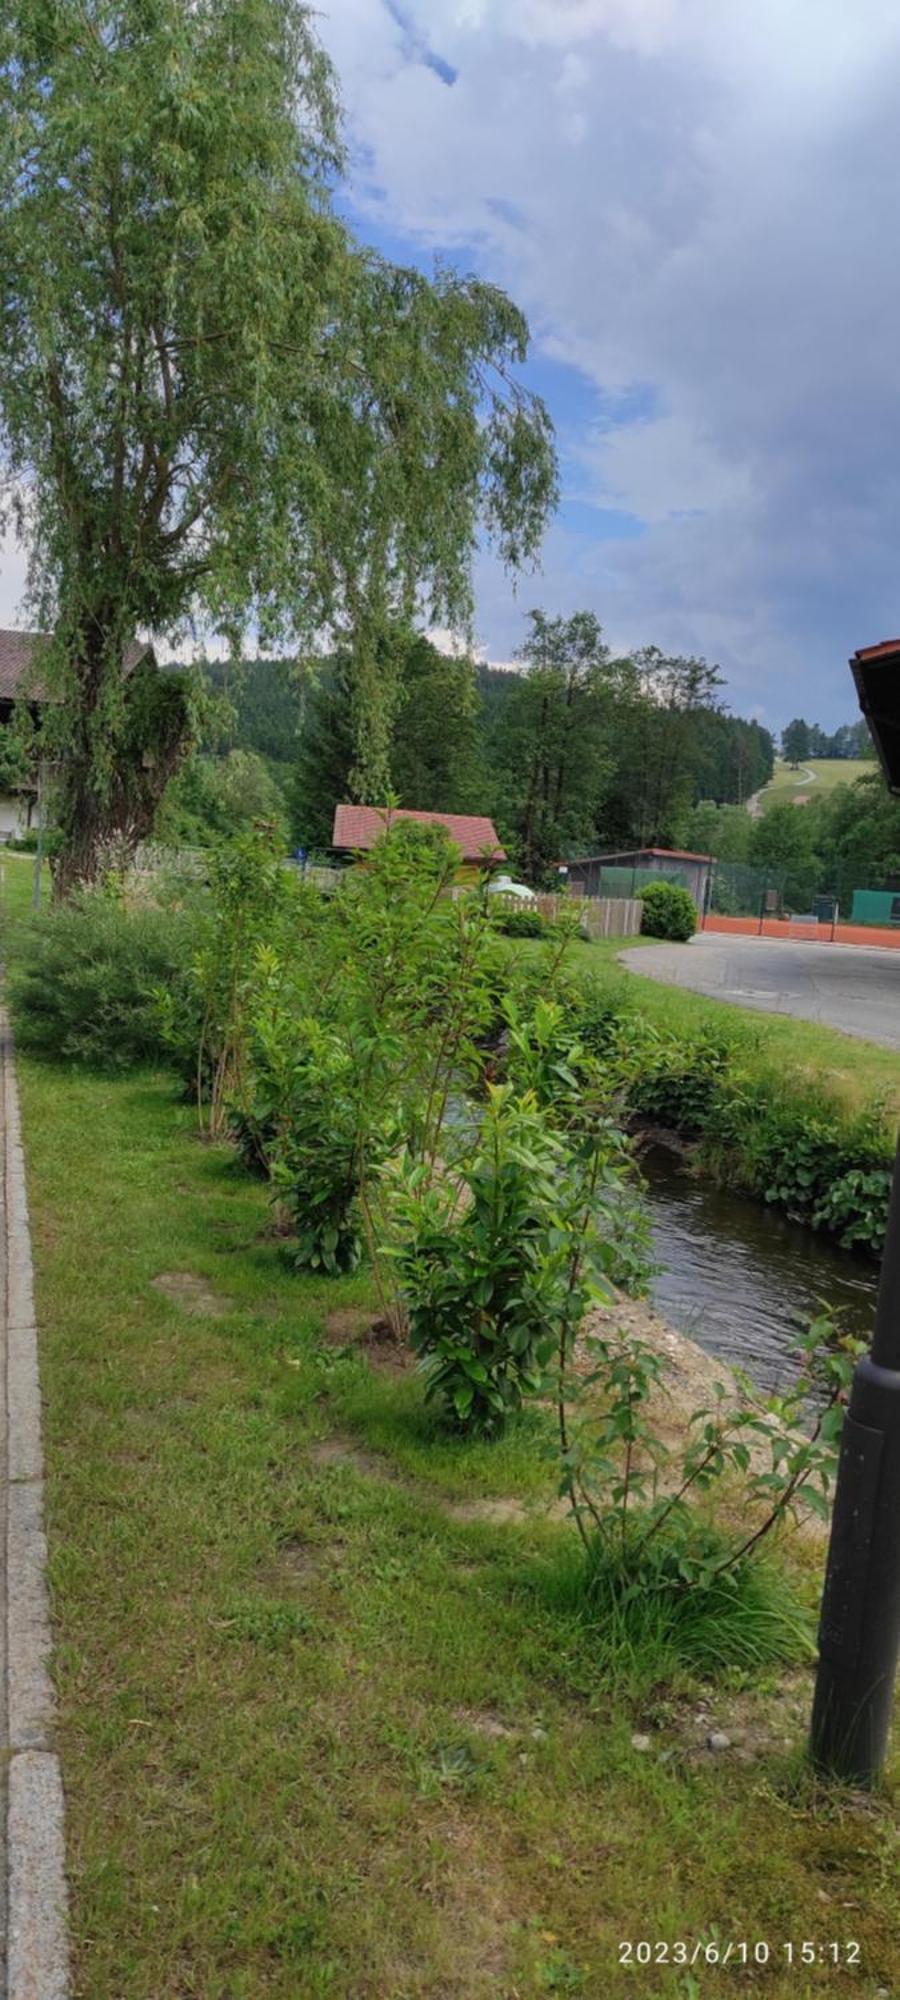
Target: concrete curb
x=37, y=1947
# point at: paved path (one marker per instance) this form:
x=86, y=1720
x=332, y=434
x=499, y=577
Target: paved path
x=840, y=986
x=33, y=1963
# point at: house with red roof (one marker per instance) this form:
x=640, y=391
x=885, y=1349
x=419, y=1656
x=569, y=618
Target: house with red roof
x=357, y=828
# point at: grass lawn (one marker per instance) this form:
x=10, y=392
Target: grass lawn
x=818, y=774
x=329, y=1724
x=857, y=1070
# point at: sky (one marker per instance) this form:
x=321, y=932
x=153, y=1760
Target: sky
x=697, y=204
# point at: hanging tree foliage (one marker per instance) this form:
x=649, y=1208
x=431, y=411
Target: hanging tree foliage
x=214, y=404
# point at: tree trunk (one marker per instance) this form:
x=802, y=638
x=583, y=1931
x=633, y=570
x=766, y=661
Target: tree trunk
x=103, y=817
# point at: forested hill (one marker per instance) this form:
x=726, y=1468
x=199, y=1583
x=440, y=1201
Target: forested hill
x=265, y=699
x=576, y=749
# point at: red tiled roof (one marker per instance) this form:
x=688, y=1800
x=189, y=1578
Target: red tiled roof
x=17, y=650
x=356, y=828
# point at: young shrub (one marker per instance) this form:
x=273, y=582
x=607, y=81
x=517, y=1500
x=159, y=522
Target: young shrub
x=680, y=1078
x=652, y=1565
x=84, y=976
x=254, y=903
x=362, y=1041
x=524, y=922
x=491, y=1264
x=668, y=912
x=315, y=1157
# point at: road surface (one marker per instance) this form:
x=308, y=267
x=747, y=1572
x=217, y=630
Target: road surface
x=840, y=986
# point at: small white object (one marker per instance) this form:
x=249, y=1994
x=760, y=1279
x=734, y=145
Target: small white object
x=503, y=885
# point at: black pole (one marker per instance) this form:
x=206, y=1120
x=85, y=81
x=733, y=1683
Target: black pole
x=859, y=1633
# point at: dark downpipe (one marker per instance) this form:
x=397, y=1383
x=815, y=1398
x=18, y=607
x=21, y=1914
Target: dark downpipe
x=859, y=1633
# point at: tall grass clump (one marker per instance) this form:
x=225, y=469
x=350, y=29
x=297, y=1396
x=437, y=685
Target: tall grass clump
x=646, y=1628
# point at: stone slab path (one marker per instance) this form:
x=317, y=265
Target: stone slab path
x=33, y=1952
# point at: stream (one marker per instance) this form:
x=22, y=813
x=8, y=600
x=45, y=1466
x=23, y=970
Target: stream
x=740, y=1279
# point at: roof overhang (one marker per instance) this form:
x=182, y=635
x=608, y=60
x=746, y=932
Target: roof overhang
x=876, y=672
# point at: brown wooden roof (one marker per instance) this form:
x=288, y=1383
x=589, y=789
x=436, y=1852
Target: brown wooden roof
x=17, y=653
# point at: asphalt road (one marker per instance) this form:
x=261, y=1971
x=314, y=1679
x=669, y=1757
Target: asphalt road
x=841, y=986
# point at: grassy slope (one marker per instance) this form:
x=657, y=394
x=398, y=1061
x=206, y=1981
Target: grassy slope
x=283, y=1676
x=787, y=783
x=857, y=1070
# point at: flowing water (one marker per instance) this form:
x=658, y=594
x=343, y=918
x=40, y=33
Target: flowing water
x=740, y=1279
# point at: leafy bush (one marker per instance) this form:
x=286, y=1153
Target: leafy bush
x=652, y=1566
x=680, y=1079
x=27, y=843
x=521, y=923
x=668, y=912
x=802, y=1153
x=491, y=1263
x=316, y=1153
x=335, y=1027
x=254, y=904
x=84, y=975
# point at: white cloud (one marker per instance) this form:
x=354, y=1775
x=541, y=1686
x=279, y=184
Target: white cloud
x=698, y=204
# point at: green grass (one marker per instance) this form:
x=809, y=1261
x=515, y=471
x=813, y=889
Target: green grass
x=321, y=1733
x=856, y=1070
x=827, y=772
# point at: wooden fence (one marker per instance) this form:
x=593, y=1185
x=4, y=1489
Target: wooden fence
x=601, y=916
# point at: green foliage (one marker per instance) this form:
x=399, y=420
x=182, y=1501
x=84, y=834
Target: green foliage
x=83, y=982
x=783, y=843
x=679, y=1081
x=214, y=796
x=435, y=753
x=316, y=1151
x=634, y=1499
x=856, y=833
x=799, y=1155
x=493, y=1262
x=795, y=742
x=722, y=831
x=552, y=749
x=222, y=406
x=259, y=706
x=776, y=1137
x=524, y=922
x=253, y=900
x=648, y=1625
x=18, y=750
x=668, y=911
x=319, y=1031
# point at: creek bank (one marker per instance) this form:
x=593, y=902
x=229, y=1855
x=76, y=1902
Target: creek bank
x=778, y=1134
x=739, y=1276
x=689, y=1381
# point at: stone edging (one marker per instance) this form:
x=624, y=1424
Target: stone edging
x=37, y=1950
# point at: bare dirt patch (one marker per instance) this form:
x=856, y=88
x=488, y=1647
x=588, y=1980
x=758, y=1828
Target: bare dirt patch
x=297, y=1563
x=186, y=1289
x=345, y=1451
x=742, y=1726
x=483, y=1722
x=499, y=1508
x=352, y=1326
